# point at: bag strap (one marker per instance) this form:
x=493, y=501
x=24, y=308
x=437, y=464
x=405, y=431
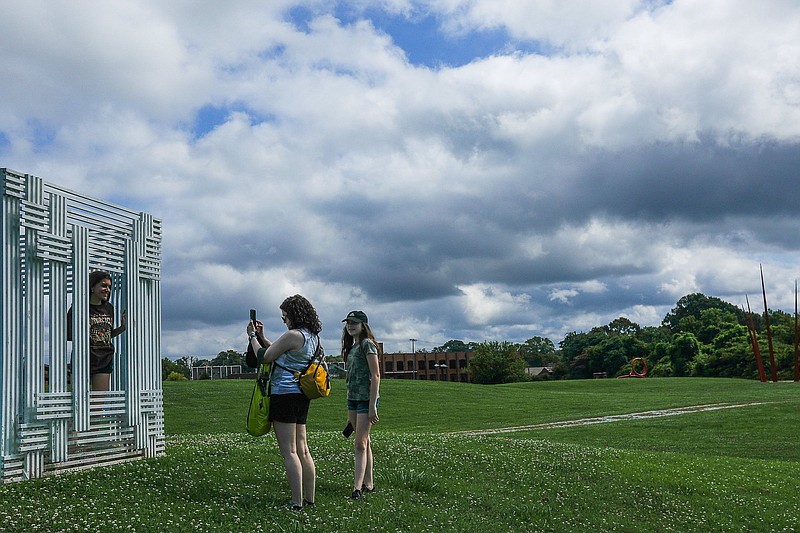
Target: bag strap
x=318, y=353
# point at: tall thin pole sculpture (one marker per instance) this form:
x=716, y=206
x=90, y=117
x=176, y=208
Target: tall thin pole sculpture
x=751, y=330
x=772, y=370
x=796, y=337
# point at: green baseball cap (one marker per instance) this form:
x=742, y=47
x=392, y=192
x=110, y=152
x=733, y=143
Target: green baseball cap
x=356, y=316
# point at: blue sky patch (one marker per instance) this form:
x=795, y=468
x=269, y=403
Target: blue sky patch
x=300, y=17
x=210, y=116
x=42, y=135
x=425, y=44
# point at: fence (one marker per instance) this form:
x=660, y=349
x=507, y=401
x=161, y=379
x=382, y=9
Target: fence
x=50, y=420
x=215, y=372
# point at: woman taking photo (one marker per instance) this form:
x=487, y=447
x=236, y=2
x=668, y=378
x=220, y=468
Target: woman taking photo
x=360, y=352
x=288, y=406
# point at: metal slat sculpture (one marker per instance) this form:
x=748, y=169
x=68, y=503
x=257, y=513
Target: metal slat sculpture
x=50, y=420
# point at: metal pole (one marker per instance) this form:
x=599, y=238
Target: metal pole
x=751, y=332
x=796, y=337
x=772, y=370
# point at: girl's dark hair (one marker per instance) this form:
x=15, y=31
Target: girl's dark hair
x=96, y=277
x=301, y=314
x=348, y=340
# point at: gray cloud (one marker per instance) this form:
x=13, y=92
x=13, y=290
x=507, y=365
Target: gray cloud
x=654, y=152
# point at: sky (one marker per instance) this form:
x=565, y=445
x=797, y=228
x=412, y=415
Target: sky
x=481, y=170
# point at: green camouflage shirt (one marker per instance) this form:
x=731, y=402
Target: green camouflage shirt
x=358, y=374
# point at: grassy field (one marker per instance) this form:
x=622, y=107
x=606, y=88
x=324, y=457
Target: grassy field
x=729, y=469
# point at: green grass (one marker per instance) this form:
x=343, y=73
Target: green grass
x=725, y=470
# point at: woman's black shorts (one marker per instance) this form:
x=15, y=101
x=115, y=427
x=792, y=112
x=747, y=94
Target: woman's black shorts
x=289, y=408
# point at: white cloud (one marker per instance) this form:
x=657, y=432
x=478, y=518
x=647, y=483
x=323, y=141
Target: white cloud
x=565, y=295
x=650, y=154
x=485, y=303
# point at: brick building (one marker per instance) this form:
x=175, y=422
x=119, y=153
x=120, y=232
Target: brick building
x=443, y=366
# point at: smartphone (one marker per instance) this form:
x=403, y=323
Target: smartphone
x=253, y=316
x=348, y=430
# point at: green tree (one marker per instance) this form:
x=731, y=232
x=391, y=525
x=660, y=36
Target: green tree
x=692, y=305
x=684, y=349
x=782, y=326
x=729, y=354
x=656, y=340
x=712, y=322
x=228, y=357
x=622, y=326
x=662, y=368
x=538, y=351
x=574, y=351
x=496, y=362
x=182, y=365
x=654, y=334
x=614, y=353
x=167, y=367
x=455, y=346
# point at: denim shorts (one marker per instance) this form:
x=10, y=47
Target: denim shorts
x=361, y=407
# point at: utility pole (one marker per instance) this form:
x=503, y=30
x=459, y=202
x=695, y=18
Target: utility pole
x=412, y=345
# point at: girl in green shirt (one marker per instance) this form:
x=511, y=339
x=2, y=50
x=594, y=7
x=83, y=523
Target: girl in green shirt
x=360, y=352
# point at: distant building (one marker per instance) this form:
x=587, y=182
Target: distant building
x=442, y=366
x=539, y=371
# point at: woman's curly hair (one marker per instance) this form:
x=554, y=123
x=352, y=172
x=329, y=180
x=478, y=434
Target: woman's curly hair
x=301, y=314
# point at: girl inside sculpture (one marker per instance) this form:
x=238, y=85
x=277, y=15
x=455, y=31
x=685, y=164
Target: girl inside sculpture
x=101, y=330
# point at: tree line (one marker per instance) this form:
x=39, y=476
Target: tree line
x=701, y=336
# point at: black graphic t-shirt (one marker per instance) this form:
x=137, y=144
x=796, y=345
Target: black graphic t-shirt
x=101, y=351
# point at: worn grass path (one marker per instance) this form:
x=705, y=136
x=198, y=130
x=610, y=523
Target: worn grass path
x=658, y=413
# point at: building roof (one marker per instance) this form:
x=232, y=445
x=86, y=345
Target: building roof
x=538, y=370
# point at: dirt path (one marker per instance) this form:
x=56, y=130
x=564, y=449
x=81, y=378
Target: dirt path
x=612, y=418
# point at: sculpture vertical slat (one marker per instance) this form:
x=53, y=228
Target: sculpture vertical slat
x=154, y=358
x=133, y=386
x=80, y=328
x=119, y=299
x=148, y=334
x=11, y=334
x=58, y=328
x=155, y=363
x=33, y=327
